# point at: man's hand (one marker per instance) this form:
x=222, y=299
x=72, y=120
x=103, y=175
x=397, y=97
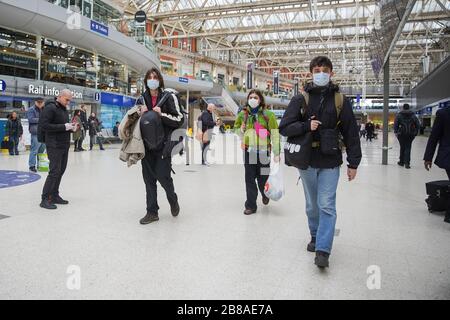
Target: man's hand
x=351, y=173
x=428, y=165
x=315, y=124
x=157, y=110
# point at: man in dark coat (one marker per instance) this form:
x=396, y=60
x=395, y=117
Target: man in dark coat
x=318, y=116
x=55, y=125
x=406, y=128
x=440, y=133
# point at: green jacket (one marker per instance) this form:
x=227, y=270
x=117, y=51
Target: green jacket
x=250, y=138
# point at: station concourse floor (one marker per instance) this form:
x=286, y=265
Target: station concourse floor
x=212, y=250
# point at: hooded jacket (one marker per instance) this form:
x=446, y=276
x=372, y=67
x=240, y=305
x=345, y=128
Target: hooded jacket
x=295, y=123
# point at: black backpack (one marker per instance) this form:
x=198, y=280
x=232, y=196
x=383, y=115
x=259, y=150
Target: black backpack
x=407, y=126
x=152, y=130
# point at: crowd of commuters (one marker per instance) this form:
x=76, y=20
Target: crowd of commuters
x=320, y=114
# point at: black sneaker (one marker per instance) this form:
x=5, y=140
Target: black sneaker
x=400, y=164
x=33, y=169
x=321, y=259
x=407, y=166
x=59, y=200
x=265, y=201
x=175, y=210
x=46, y=204
x=312, y=245
x=248, y=212
x=149, y=218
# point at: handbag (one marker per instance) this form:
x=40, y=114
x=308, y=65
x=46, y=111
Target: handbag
x=5, y=143
x=297, y=151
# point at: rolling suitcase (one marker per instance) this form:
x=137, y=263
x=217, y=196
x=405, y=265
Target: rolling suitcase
x=438, y=195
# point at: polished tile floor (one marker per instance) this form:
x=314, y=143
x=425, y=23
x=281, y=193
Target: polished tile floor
x=387, y=247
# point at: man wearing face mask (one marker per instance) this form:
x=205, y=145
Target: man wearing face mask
x=258, y=129
x=157, y=163
x=325, y=113
x=55, y=125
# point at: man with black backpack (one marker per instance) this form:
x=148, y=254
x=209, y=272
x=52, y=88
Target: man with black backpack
x=314, y=121
x=406, y=128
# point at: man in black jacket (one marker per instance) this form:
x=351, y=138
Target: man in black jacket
x=55, y=124
x=207, y=122
x=319, y=116
x=84, y=128
x=440, y=133
x=406, y=128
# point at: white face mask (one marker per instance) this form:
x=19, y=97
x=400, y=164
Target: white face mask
x=253, y=103
x=321, y=79
x=153, y=84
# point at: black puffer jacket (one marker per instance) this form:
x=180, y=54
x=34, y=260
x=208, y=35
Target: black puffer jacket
x=171, y=117
x=52, y=121
x=294, y=123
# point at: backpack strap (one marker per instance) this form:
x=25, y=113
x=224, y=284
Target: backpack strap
x=339, y=103
x=306, y=98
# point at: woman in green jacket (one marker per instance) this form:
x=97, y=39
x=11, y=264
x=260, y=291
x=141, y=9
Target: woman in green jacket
x=258, y=129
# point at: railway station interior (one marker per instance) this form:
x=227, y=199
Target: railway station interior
x=390, y=241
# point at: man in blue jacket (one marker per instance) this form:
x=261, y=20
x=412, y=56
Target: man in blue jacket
x=33, y=119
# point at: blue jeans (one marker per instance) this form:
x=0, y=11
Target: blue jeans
x=35, y=148
x=320, y=194
x=13, y=145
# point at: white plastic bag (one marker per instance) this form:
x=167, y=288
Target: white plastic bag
x=274, y=188
x=21, y=147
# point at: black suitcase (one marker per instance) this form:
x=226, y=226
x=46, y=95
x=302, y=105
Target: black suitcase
x=438, y=195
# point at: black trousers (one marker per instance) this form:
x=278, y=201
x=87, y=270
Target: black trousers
x=79, y=142
x=13, y=145
x=205, y=148
x=57, y=166
x=405, y=149
x=98, y=140
x=154, y=169
x=257, y=170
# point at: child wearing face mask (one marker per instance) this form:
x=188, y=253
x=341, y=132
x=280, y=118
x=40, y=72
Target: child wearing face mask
x=258, y=128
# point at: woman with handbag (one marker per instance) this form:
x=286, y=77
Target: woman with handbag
x=258, y=129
